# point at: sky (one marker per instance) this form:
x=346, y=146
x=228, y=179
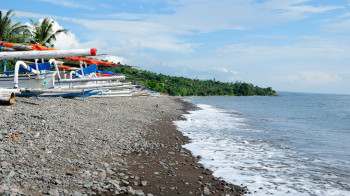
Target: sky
x=289, y=45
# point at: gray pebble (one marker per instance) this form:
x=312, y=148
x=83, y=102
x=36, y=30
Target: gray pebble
x=206, y=191
x=53, y=192
x=144, y=183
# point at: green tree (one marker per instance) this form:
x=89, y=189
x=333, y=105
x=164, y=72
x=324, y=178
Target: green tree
x=245, y=89
x=152, y=83
x=43, y=33
x=12, y=32
x=184, y=86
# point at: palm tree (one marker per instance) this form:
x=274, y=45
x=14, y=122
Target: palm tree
x=12, y=32
x=43, y=33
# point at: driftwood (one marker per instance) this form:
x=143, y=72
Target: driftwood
x=7, y=97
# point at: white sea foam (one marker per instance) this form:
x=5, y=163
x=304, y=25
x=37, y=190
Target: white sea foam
x=264, y=168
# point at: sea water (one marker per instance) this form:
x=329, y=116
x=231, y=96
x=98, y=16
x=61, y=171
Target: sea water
x=292, y=144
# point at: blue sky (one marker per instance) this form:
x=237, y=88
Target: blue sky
x=290, y=45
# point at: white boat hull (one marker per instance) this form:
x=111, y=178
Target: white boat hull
x=28, y=81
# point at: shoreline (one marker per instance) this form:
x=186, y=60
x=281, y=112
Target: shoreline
x=97, y=146
x=177, y=170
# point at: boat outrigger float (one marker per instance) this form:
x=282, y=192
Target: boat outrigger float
x=46, y=54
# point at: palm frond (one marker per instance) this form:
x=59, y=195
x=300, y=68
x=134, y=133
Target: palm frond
x=10, y=31
x=43, y=32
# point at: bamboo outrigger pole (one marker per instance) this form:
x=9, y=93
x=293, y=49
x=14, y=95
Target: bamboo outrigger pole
x=47, y=54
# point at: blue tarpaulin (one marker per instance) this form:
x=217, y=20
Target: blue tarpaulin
x=107, y=72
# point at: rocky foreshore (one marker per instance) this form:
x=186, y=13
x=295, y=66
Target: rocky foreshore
x=100, y=146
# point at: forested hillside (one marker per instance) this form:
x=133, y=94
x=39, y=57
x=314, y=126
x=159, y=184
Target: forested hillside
x=189, y=87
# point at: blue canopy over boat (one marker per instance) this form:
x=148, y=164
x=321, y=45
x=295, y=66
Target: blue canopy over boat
x=41, y=66
x=88, y=70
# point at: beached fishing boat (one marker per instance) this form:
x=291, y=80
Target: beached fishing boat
x=102, y=83
x=39, y=81
x=70, y=82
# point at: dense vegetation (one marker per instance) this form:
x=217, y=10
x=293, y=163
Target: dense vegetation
x=189, y=87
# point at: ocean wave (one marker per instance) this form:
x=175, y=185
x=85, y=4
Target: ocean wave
x=265, y=167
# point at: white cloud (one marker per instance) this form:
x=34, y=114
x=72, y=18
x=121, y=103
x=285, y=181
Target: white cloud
x=70, y=4
x=291, y=78
x=114, y=59
x=340, y=26
x=140, y=34
x=345, y=15
x=38, y=16
x=225, y=70
x=221, y=69
x=318, y=77
x=162, y=31
x=123, y=16
x=234, y=72
x=209, y=16
x=65, y=41
x=312, y=77
x=305, y=48
x=29, y=14
x=139, y=28
x=299, y=7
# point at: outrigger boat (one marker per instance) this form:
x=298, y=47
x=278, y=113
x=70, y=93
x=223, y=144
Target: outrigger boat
x=39, y=81
x=42, y=82
x=90, y=78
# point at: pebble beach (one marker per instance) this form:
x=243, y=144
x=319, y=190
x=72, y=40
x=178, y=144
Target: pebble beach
x=100, y=146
